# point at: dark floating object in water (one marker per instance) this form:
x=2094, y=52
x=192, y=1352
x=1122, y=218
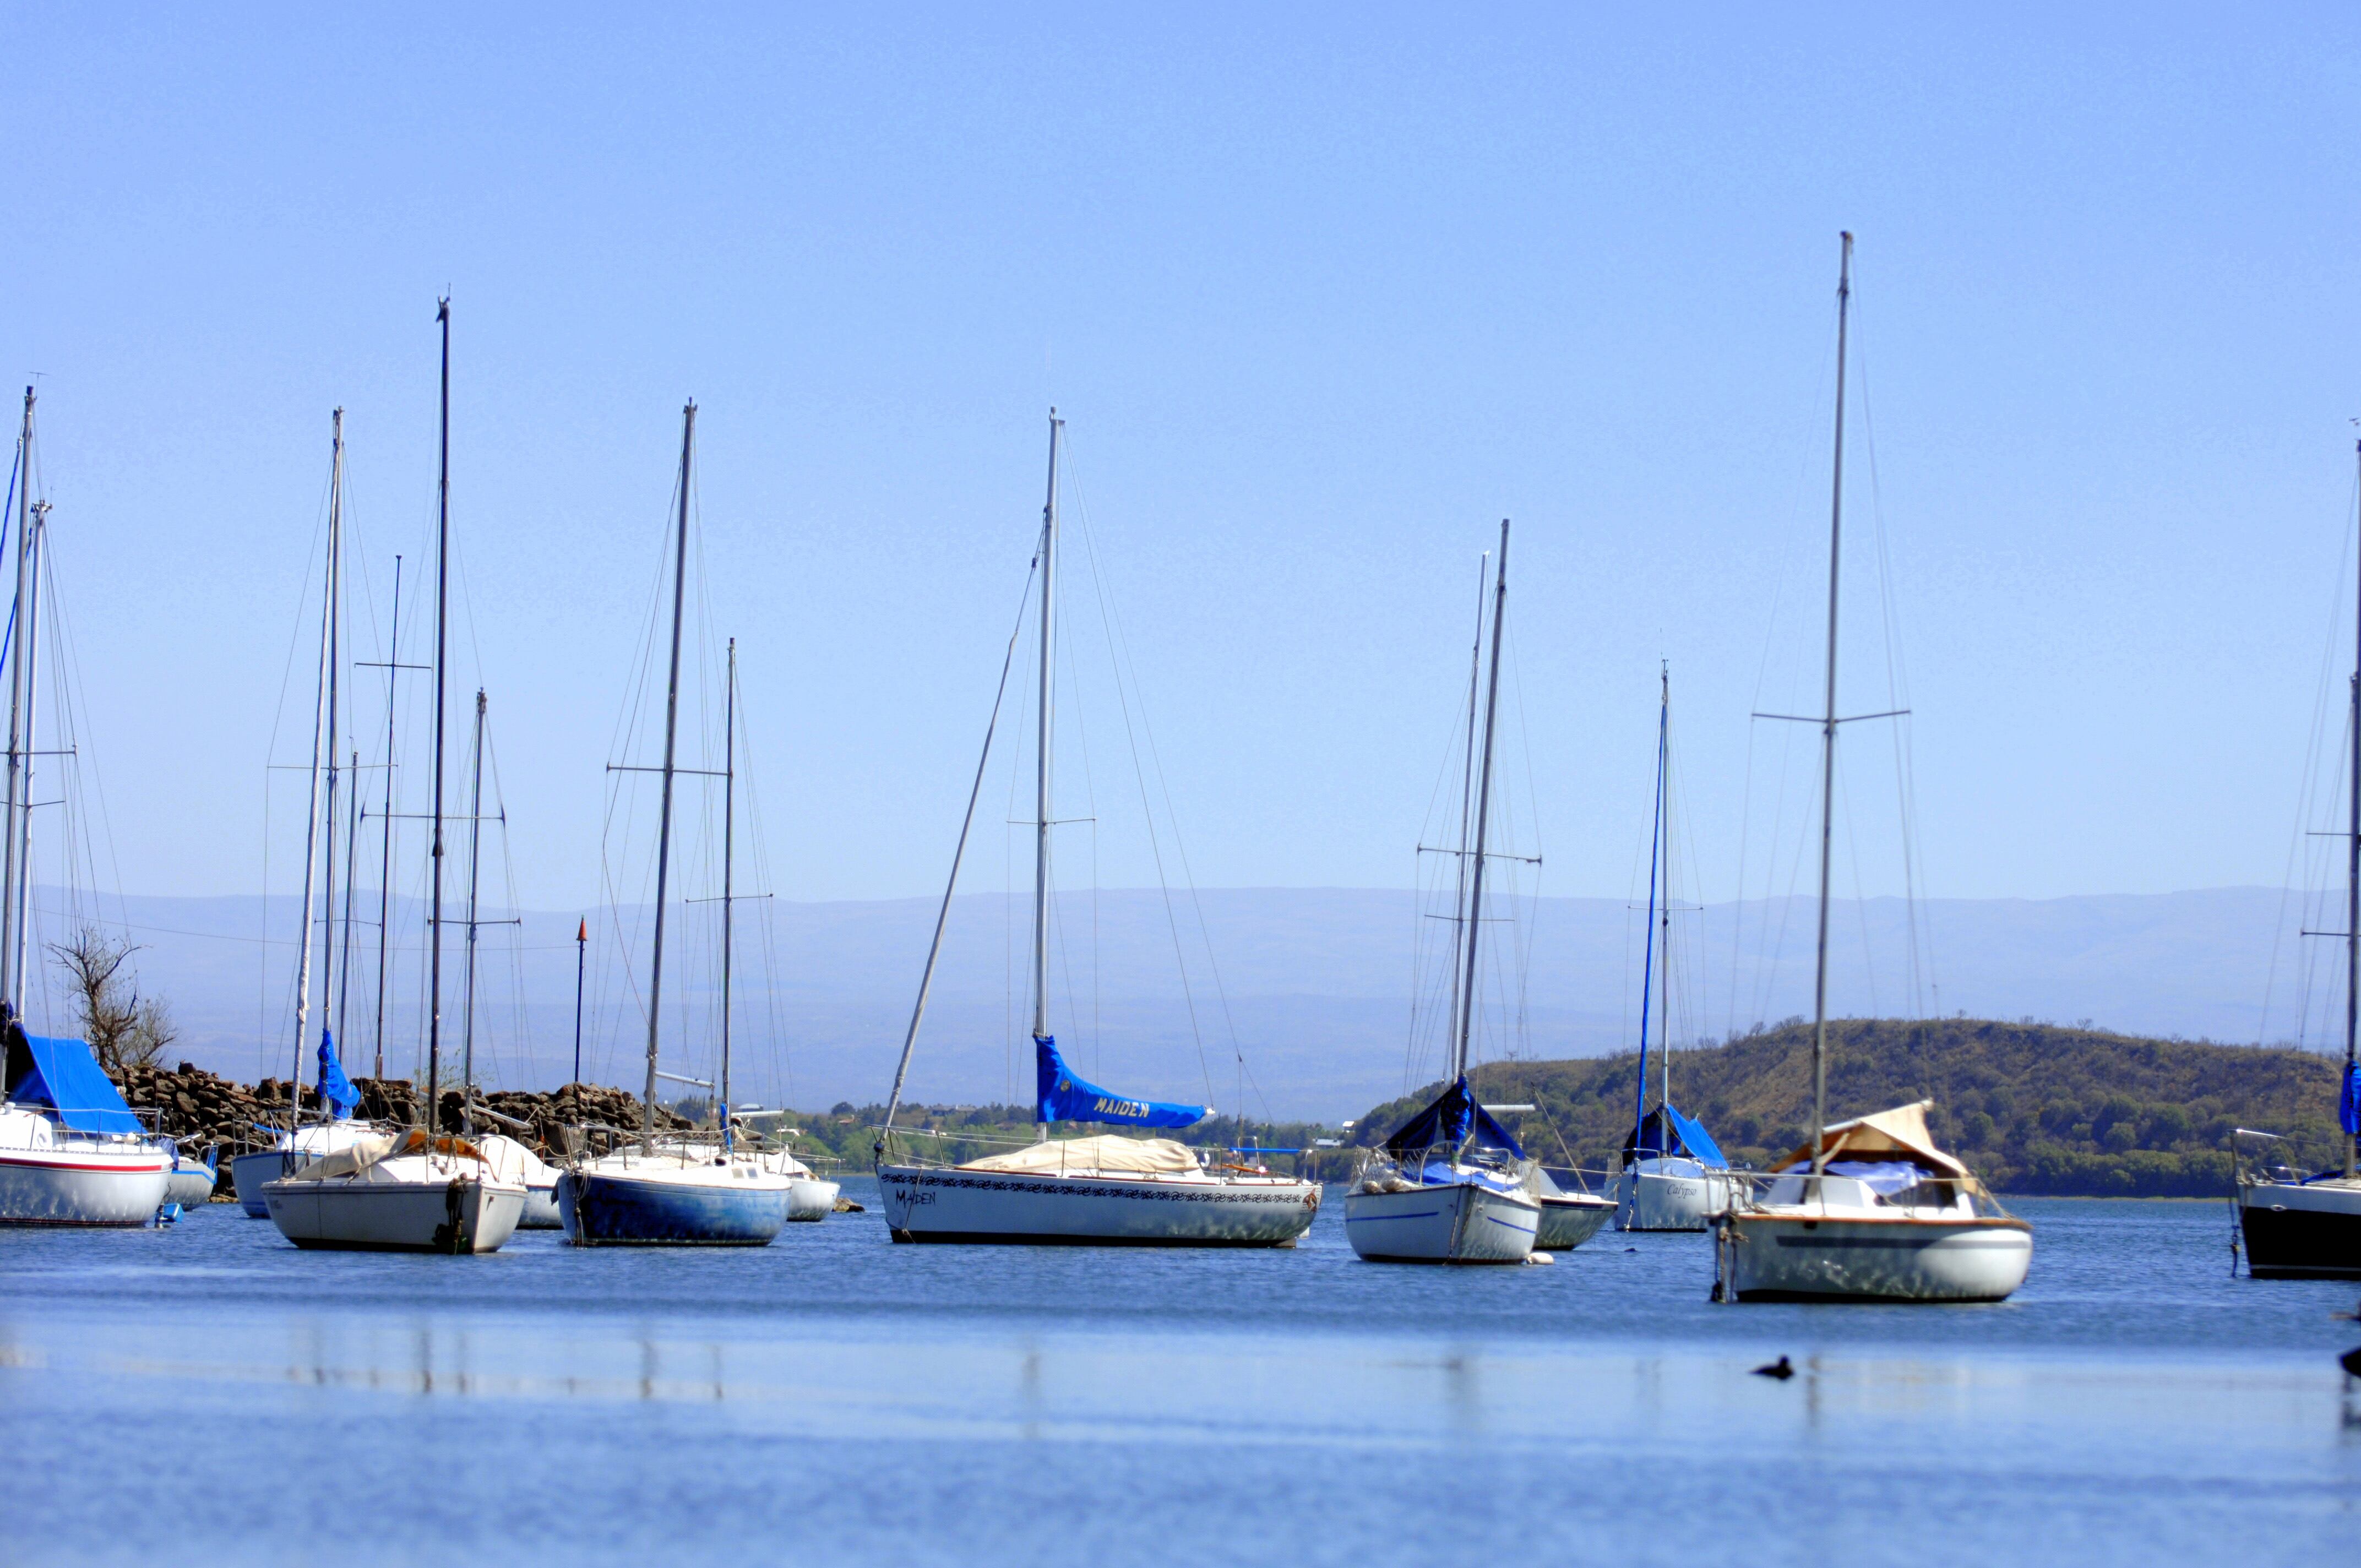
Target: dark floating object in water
x=847, y=1206
x=1782, y=1370
x=1631, y=1249
x=2350, y=1362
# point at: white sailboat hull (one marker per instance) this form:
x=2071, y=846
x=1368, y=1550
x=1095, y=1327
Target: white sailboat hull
x=72, y=1185
x=926, y=1203
x=1671, y=1195
x=1798, y=1256
x=460, y=1213
x=1460, y=1223
x=1568, y=1221
x=540, y=1210
x=189, y=1184
x=810, y=1199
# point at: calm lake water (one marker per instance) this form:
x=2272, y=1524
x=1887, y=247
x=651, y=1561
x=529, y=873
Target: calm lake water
x=208, y=1392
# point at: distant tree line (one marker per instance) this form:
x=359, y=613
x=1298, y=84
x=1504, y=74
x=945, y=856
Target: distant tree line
x=2032, y=1108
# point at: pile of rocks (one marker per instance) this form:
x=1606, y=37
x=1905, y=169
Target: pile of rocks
x=201, y=1109
x=607, y=1116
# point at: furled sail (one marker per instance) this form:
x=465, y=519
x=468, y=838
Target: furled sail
x=1665, y=1131
x=334, y=1087
x=1065, y=1095
x=1448, y=1122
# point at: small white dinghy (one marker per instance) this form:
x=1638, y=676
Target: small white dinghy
x=809, y=1198
x=398, y=1194
x=1885, y=1216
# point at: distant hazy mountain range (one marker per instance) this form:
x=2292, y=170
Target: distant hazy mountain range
x=1318, y=984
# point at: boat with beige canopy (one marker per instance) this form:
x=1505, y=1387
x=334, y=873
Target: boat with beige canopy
x=1874, y=1212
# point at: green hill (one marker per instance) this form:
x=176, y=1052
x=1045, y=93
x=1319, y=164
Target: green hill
x=2031, y=1108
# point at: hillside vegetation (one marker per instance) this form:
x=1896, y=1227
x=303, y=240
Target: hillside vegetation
x=2031, y=1108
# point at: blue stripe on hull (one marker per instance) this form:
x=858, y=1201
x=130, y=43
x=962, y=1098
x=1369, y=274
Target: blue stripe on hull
x=612, y=1211
x=248, y=1172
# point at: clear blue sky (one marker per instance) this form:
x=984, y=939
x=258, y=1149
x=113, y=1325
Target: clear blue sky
x=1324, y=292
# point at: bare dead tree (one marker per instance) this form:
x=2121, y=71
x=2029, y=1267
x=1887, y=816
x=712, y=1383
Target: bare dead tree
x=122, y=1028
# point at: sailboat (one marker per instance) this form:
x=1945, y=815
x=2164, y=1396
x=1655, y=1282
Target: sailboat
x=1102, y=1191
x=420, y=1189
x=1674, y=1176
x=2298, y=1226
x=1452, y=1185
x=298, y=1145
x=71, y=1151
x=1870, y=1209
x=675, y=1192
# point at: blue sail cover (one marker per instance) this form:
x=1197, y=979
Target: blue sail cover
x=64, y=1076
x=1666, y=1132
x=2348, y=1110
x=1453, y=1116
x=1066, y=1096
x=334, y=1087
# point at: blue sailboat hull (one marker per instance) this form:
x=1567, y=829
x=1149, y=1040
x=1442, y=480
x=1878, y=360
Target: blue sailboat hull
x=600, y=1209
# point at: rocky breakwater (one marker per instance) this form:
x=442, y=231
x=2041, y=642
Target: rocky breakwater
x=201, y=1111
x=584, y=1118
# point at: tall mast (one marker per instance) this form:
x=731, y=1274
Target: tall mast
x=1483, y=805
x=321, y=741
x=475, y=858
x=352, y=852
x=1828, y=744
x=2353, y=893
x=335, y=672
x=1042, y=757
x=29, y=633
x=1467, y=784
x=16, y=707
x=441, y=644
x=1664, y=907
x=1648, y=932
x=729, y=845
x=672, y=727
x=581, y=969
x=385, y=860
